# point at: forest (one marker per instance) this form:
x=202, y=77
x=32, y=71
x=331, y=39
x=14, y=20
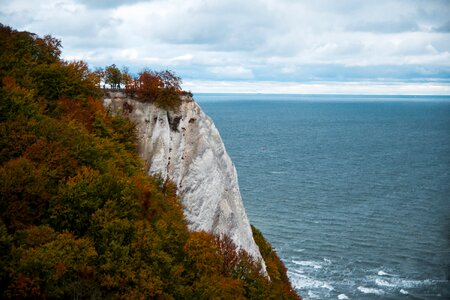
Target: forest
x=79, y=217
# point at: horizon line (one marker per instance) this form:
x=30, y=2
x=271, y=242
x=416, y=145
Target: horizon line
x=319, y=88
x=324, y=94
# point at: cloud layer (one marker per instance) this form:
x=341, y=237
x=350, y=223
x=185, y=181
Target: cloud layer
x=254, y=41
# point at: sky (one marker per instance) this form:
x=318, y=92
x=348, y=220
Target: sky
x=256, y=46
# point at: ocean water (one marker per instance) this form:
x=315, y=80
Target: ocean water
x=352, y=191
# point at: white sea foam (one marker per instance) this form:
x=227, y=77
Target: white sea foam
x=299, y=250
x=404, y=292
x=368, y=290
x=308, y=263
x=404, y=283
x=296, y=271
x=382, y=273
x=408, y=283
x=381, y=282
x=342, y=297
x=312, y=295
x=304, y=282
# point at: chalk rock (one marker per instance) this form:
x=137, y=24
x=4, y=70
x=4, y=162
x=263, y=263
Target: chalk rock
x=186, y=147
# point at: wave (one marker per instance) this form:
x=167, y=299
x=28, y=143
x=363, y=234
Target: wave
x=382, y=273
x=381, y=282
x=312, y=295
x=342, y=297
x=397, y=282
x=308, y=263
x=303, y=282
x=368, y=290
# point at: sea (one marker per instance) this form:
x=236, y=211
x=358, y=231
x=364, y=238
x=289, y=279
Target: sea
x=353, y=192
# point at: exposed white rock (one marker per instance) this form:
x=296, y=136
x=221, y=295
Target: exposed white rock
x=186, y=147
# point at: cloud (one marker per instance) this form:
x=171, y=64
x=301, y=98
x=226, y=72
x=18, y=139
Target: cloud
x=443, y=28
x=259, y=40
x=107, y=3
x=391, y=26
x=344, y=88
x=232, y=72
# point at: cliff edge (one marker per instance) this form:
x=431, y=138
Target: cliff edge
x=186, y=147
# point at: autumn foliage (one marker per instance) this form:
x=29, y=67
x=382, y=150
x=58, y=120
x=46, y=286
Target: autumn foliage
x=79, y=218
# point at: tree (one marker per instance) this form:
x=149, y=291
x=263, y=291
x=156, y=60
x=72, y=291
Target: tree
x=100, y=75
x=113, y=76
x=169, y=80
x=128, y=81
x=162, y=88
x=148, y=85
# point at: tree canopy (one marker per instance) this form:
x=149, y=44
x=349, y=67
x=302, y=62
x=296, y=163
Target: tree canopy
x=79, y=218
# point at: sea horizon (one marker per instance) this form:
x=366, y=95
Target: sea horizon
x=217, y=97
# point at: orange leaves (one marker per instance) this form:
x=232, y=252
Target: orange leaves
x=149, y=85
x=15, y=137
x=280, y=286
x=15, y=91
x=201, y=254
x=57, y=157
x=16, y=100
x=162, y=88
x=24, y=286
x=51, y=267
x=229, y=253
x=84, y=112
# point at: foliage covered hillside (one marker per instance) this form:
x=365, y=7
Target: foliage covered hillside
x=78, y=216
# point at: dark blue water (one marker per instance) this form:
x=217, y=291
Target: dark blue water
x=352, y=191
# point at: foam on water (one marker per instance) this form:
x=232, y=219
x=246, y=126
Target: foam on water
x=307, y=263
x=397, y=282
x=404, y=292
x=381, y=282
x=382, y=273
x=342, y=297
x=304, y=282
x=312, y=295
x=368, y=290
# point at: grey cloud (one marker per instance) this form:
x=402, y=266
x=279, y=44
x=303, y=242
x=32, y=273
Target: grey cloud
x=102, y=4
x=445, y=28
x=384, y=26
x=224, y=26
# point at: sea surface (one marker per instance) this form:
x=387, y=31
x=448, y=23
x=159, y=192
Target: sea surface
x=353, y=192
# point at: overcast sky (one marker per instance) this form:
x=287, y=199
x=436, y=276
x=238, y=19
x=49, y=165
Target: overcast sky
x=340, y=46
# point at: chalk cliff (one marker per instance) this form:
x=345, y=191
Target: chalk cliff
x=185, y=146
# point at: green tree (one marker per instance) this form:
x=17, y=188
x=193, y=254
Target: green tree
x=113, y=76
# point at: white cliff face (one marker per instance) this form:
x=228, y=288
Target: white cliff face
x=186, y=147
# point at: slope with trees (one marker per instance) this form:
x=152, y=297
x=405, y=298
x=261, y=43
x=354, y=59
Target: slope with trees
x=79, y=218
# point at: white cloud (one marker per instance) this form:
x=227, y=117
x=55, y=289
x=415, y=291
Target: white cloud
x=232, y=72
x=344, y=88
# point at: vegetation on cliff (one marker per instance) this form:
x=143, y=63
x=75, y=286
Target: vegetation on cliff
x=79, y=218
x=161, y=88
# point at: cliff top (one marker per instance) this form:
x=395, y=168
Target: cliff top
x=124, y=93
